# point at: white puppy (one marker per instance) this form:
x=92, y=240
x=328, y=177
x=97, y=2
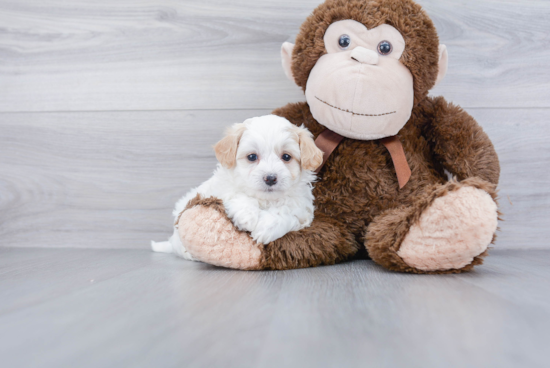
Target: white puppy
x=264, y=180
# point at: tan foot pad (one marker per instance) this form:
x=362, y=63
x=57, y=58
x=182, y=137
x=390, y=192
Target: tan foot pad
x=210, y=237
x=452, y=231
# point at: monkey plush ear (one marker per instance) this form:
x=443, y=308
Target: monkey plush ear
x=226, y=149
x=286, y=55
x=443, y=64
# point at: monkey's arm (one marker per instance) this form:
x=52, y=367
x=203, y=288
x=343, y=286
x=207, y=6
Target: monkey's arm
x=458, y=142
x=325, y=242
x=210, y=236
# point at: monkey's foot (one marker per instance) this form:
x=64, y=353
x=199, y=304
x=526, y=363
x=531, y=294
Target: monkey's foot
x=209, y=236
x=447, y=230
x=452, y=231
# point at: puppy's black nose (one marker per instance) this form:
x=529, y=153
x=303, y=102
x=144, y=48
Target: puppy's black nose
x=270, y=179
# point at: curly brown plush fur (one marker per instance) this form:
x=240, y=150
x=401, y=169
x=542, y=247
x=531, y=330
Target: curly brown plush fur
x=325, y=242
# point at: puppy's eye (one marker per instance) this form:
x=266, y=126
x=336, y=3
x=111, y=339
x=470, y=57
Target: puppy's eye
x=344, y=41
x=253, y=157
x=385, y=48
x=286, y=157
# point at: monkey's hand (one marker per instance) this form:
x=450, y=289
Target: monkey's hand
x=209, y=236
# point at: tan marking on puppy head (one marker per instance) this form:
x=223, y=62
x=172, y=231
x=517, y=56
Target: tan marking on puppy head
x=311, y=156
x=226, y=149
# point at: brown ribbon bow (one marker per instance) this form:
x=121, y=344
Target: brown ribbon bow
x=328, y=140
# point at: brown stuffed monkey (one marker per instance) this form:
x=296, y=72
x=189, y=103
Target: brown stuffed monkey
x=366, y=67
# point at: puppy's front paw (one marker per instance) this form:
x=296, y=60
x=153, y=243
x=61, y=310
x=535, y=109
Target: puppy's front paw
x=246, y=219
x=269, y=228
x=264, y=236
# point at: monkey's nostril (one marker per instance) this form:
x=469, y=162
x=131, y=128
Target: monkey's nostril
x=270, y=179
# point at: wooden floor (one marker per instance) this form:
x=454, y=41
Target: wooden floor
x=133, y=308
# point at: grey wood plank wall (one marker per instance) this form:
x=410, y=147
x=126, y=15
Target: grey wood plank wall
x=108, y=110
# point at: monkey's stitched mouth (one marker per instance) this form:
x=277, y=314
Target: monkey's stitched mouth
x=354, y=113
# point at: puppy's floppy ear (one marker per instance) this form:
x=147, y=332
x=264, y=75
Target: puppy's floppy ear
x=226, y=149
x=311, y=156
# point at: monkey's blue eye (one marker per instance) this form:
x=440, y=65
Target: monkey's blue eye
x=286, y=157
x=253, y=157
x=385, y=48
x=344, y=41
